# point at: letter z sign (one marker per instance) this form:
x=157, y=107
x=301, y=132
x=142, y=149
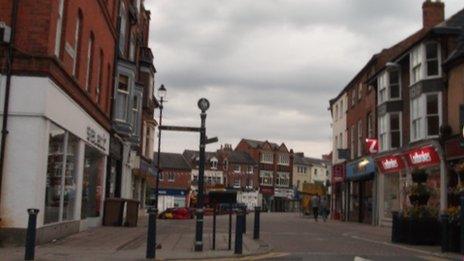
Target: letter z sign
x=372, y=146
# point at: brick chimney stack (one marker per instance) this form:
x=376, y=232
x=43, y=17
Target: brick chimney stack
x=433, y=13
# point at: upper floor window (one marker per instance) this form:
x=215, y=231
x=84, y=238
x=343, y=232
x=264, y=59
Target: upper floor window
x=370, y=125
x=388, y=86
x=382, y=83
x=267, y=157
x=77, y=40
x=100, y=76
x=88, y=73
x=425, y=61
x=171, y=177
x=340, y=141
x=360, y=91
x=59, y=28
x=284, y=159
x=132, y=47
x=214, y=163
x=122, y=98
x=342, y=109
x=390, y=131
x=236, y=168
x=122, y=29
x=432, y=58
x=360, y=138
x=282, y=179
x=426, y=116
x=336, y=112
x=250, y=169
x=416, y=65
x=266, y=178
x=226, y=165
x=353, y=97
x=137, y=112
x=352, y=141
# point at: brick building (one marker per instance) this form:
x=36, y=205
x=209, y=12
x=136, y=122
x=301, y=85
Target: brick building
x=175, y=180
x=214, y=174
x=240, y=170
x=59, y=93
x=275, y=172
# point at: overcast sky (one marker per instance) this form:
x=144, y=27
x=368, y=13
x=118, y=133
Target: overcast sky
x=268, y=67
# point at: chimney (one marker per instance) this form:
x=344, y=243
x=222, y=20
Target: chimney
x=433, y=13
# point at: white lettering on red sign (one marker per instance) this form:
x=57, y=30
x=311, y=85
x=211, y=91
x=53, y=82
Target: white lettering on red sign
x=420, y=157
x=390, y=164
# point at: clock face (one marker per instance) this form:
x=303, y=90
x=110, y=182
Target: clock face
x=203, y=104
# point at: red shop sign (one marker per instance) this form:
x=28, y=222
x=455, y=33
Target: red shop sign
x=338, y=173
x=372, y=146
x=422, y=157
x=390, y=164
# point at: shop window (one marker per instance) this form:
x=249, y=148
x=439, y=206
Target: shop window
x=60, y=192
x=391, y=194
x=92, y=188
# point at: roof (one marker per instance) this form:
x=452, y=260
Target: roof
x=298, y=160
x=240, y=157
x=256, y=143
x=171, y=161
x=190, y=154
x=458, y=53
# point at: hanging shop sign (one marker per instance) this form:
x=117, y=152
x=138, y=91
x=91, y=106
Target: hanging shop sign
x=372, y=146
x=360, y=169
x=338, y=173
x=390, y=164
x=422, y=157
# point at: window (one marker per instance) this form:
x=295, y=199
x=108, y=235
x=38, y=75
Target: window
x=135, y=111
x=59, y=29
x=132, y=48
x=353, y=97
x=336, y=142
x=416, y=65
x=336, y=112
x=370, y=125
x=394, y=84
x=122, y=96
x=92, y=185
x=433, y=118
x=250, y=169
x=395, y=131
x=226, y=165
x=352, y=138
x=360, y=138
x=77, y=36
x=267, y=157
x=122, y=29
x=161, y=176
x=382, y=83
x=360, y=91
x=315, y=172
x=425, y=116
x=282, y=179
x=236, y=168
x=432, y=59
x=342, y=109
x=88, y=74
x=61, y=185
x=237, y=183
x=383, y=132
x=284, y=159
x=100, y=77
x=214, y=164
x=171, y=177
x=340, y=140
x=265, y=178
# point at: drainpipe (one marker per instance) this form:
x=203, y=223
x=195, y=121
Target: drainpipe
x=14, y=16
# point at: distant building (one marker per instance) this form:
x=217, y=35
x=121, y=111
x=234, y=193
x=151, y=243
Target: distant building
x=175, y=180
x=214, y=175
x=240, y=169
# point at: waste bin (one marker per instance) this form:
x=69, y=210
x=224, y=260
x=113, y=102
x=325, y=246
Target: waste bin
x=132, y=212
x=113, y=212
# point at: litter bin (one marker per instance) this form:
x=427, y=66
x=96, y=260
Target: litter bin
x=132, y=212
x=113, y=212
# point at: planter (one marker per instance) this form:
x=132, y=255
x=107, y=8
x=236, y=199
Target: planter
x=419, y=200
x=419, y=176
x=454, y=243
x=422, y=231
x=454, y=199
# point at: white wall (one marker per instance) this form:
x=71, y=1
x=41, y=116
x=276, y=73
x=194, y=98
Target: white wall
x=339, y=126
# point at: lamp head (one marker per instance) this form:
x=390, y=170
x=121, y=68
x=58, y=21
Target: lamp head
x=203, y=104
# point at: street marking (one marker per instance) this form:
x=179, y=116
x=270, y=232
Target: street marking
x=358, y=258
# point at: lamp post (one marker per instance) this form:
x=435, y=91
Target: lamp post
x=203, y=104
x=153, y=210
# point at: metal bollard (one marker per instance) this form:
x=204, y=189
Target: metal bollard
x=244, y=219
x=256, y=226
x=230, y=226
x=199, y=230
x=151, y=236
x=239, y=233
x=30, y=234
x=461, y=219
x=444, y=232
x=214, y=228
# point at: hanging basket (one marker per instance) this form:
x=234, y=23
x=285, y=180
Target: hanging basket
x=419, y=176
x=419, y=200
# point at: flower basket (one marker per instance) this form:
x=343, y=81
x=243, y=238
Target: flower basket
x=454, y=199
x=419, y=176
x=419, y=200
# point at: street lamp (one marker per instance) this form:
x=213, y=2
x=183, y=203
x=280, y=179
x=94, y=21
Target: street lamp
x=203, y=104
x=153, y=210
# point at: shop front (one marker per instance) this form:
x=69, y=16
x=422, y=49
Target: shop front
x=454, y=149
x=392, y=186
x=360, y=182
x=172, y=198
x=282, y=199
x=338, y=199
x=56, y=162
x=267, y=197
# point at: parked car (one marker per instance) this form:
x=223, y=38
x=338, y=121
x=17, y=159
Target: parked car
x=177, y=213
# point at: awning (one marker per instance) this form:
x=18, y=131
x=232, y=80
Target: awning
x=362, y=169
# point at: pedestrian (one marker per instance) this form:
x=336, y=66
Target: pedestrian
x=315, y=206
x=323, y=208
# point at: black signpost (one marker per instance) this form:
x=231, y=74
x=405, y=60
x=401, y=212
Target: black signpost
x=203, y=104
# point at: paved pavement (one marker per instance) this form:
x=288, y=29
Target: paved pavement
x=284, y=236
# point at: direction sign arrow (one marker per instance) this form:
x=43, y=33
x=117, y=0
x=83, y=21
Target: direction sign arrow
x=179, y=128
x=212, y=140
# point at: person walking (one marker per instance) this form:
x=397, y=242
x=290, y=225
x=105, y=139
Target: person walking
x=315, y=205
x=324, y=207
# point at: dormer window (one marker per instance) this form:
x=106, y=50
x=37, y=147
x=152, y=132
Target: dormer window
x=214, y=163
x=236, y=168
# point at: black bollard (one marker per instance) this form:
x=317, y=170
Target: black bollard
x=214, y=228
x=239, y=232
x=151, y=236
x=30, y=234
x=244, y=219
x=444, y=232
x=461, y=219
x=256, y=226
x=230, y=226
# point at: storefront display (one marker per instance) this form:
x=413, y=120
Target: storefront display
x=338, y=179
x=360, y=179
x=92, y=186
